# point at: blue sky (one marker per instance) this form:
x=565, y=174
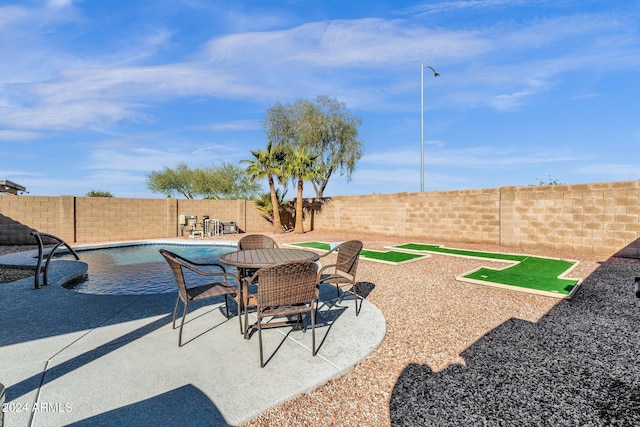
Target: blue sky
x=95, y=95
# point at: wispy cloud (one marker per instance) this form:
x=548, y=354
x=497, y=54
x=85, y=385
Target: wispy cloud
x=16, y=135
x=137, y=159
x=471, y=5
x=364, y=43
x=489, y=157
x=508, y=102
x=12, y=15
x=59, y=3
x=69, y=80
x=485, y=157
x=623, y=171
x=78, y=95
x=236, y=125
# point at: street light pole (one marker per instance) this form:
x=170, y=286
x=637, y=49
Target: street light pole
x=435, y=74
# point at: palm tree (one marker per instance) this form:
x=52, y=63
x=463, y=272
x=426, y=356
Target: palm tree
x=263, y=204
x=265, y=164
x=300, y=166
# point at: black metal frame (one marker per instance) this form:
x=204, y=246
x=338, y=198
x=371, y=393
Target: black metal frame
x=38, y=237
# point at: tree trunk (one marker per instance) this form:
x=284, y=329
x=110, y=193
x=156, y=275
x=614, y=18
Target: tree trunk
x=299, y=228
x=277, y=223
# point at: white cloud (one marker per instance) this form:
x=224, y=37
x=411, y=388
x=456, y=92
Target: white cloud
x=10, y=15
x=395, y=157
x=59, y=3
x=489, y=157
x=486, y=157
x=612, y=170
x=16, y=135
x=137, y=159
x=512, y=101
x=236, y=125
x=292, y=63
x=346, y=43
x=462, y=5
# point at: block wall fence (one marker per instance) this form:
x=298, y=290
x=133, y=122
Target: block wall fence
x=598, y=219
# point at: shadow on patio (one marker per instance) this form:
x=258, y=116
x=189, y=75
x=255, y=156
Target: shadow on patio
x=116, y=357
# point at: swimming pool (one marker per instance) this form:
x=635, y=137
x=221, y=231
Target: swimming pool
x=139, y=269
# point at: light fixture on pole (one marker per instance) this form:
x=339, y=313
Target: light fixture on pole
x=435, y=74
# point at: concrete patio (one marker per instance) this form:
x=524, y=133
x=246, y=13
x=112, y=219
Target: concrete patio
x=453, y=353
x=75, y=359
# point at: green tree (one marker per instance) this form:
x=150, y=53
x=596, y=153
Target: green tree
x=225, y=181
x=268, y=163
x=280, y=126
x=265, y=205
x=550, y=181
x=324, y=127
x=300, y=166
x=169, y=181
x=327, y=128
x=98, y=193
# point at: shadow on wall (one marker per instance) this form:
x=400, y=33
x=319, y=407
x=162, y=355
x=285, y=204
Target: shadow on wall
x=575, y=366
x=13, y=232
x=310, y=207
x=632, y=250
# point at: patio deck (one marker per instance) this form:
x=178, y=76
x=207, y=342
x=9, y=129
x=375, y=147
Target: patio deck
x=454, y=354
x=70, y=358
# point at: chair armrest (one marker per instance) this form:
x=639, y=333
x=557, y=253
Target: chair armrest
x=251, y=279
x=209, y=273
x=188, y=263
x=325, y=267
x=335, y=248
x=347, y=262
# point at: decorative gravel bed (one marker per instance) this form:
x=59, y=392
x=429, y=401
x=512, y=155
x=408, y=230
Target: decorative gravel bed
x=12, y=274
x=462, y=354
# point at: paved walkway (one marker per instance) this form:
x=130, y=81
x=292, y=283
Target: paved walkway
x=69, y=358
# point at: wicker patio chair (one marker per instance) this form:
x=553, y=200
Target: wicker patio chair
x=254, y=241
x=343, y=272
x=284, y=289
x=222, y=285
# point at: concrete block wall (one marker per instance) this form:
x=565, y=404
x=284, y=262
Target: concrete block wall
x=100, y=219
x=20, y=215
x=242, y=212
x=465, y=216
x=599, y=218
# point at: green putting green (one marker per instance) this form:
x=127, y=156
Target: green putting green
x=389, y=257
x=544, y=276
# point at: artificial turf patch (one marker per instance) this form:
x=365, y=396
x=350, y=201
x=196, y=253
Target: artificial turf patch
x=389, y=257
x=544, y=276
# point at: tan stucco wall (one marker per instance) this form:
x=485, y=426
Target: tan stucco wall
x=599, y=218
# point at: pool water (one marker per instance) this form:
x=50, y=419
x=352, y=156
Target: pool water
x=141, y=270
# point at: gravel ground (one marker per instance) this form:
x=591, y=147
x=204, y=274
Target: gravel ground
x=464, y=354
x=11, y=274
